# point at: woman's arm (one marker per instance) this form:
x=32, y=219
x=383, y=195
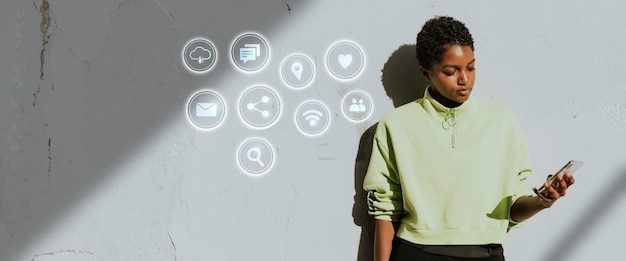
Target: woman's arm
x=385, y=232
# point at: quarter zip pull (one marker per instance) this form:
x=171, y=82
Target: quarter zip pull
x=449, y=123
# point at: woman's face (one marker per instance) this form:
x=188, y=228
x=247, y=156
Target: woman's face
x=452, y=79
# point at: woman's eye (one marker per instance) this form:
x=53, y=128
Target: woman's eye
x=449, y=73
x=471, y=69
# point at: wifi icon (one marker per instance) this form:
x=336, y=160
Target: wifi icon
x=312, y=118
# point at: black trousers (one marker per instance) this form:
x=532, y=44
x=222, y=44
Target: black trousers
x=403, y=250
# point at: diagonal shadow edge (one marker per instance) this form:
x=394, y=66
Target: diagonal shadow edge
x=96, y=171
x=585, y=223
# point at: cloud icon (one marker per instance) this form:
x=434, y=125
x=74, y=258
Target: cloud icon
x=200, y=54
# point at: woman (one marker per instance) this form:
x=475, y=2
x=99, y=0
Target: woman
x=446, y=179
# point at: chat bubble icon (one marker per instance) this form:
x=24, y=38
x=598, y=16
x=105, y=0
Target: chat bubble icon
x=249, y=52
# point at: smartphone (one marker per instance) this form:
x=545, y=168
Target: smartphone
x=572, y=166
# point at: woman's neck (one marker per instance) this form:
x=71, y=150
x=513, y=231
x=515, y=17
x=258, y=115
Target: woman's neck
x=442, y=99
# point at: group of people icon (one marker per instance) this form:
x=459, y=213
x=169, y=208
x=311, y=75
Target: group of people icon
x=358, y=106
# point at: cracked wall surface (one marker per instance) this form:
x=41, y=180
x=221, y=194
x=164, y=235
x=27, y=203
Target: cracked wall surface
x=65, y=255
x=98, y=160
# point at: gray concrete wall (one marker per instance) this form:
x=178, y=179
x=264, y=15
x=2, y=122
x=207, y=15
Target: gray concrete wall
x=100, y=161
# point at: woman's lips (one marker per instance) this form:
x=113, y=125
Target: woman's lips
x=463, y=92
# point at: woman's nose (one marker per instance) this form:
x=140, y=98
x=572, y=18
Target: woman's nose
x=462, y=80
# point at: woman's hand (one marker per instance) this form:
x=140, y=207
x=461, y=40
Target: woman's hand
x=554, y=193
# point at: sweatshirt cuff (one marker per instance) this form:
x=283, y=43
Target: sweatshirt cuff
x=388, y=218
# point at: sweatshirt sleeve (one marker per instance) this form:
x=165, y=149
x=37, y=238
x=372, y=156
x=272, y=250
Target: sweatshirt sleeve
x=521, y=188
x=382, y=184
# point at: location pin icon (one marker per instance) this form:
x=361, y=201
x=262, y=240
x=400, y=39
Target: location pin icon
x=296, y=69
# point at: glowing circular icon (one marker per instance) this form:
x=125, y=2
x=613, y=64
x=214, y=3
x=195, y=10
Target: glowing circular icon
x=259, y=107
x=255, y=156
x=357, y=106
x=250, y=52
x=206, y=110
x=345, y=60
x=199, y=55
x=312, y=118
x=297, y=71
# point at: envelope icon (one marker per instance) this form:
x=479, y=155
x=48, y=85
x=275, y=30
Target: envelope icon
x=206, y=109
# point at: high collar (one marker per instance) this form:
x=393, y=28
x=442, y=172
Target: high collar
x=436, y=109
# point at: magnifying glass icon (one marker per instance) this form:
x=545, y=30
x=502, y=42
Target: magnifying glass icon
x=254, y=154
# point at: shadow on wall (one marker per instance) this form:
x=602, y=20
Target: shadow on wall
x=115, y=105
x=403, y=84
x=584, y=225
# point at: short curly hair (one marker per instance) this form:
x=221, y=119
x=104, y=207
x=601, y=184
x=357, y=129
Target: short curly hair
x=437, y=35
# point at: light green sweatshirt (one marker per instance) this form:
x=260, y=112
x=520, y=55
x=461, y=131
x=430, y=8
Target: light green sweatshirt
x=449, y=176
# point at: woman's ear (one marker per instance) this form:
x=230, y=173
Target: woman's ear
x=425, y=73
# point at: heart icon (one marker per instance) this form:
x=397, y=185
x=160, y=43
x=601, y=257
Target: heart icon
x=344, y=60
